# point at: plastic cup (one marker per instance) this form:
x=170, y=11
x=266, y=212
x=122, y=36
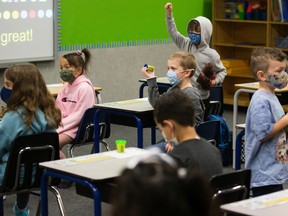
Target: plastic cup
x=120, y=145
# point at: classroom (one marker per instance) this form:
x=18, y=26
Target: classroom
x=122, y=36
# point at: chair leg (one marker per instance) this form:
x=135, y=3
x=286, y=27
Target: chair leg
x=105, y=145
x=59, y=199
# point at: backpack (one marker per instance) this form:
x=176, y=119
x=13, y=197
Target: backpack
x=224, y=142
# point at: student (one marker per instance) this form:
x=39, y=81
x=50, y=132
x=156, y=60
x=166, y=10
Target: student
x=266, y=146
x=176, y=123
x=181, y=67
x=32, y=110
x=209, y=69
x=76, y=95
x=155, y=186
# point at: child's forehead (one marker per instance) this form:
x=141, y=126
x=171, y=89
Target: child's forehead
x=174, y=61
x=274, y=64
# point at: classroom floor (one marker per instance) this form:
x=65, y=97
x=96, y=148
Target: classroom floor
x=77, y=205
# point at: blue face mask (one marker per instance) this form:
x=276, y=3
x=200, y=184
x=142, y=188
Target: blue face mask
x=195, y=38
x=172, y=77
x=5, y=94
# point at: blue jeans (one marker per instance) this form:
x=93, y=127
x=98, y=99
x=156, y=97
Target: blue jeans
x=159, y=146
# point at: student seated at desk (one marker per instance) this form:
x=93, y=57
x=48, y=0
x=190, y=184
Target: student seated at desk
x=184, y=145
x=155, y=186
x=30, y=110
x=181, y=67
x=76, y=95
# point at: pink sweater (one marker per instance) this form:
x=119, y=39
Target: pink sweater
x=73, y=100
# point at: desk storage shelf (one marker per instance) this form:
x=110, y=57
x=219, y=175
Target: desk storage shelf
x=236, y=35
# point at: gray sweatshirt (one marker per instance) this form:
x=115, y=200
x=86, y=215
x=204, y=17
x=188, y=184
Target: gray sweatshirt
x=203, y=54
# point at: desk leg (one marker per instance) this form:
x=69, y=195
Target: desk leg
x=44, y=200
x=139, y=132
x=143, y=85
x=96, y=131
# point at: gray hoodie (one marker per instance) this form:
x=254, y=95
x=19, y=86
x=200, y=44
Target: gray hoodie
x=203, y=54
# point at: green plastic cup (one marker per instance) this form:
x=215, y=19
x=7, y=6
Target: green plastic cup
x=120, y=145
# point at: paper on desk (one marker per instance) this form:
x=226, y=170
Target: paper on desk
x=129, y=152
x=265, y=201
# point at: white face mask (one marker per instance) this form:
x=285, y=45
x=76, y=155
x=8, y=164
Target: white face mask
x=172, y=142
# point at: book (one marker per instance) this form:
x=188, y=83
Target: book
x=285, y=10
x=275, y=10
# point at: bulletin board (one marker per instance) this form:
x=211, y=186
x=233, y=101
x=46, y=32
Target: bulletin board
x=114, y=23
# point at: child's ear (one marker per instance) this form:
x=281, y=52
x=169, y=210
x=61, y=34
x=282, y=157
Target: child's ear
x=261, y=75
x=167, y=123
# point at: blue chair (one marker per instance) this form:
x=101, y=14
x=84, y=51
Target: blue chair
x=85, y=133
x=209, y=130
x=23, y=173
x=215, y=106
x=231, y=187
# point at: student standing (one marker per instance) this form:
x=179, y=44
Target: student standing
x=76, y=95
x=32, y=110
x=174, y=116
x=209, y=68
x=266, y=146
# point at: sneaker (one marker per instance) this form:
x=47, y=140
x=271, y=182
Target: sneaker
x=20, y=212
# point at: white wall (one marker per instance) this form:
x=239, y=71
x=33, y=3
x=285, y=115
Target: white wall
x=117, y=70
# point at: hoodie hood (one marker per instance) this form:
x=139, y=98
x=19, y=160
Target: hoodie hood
x=206, y=30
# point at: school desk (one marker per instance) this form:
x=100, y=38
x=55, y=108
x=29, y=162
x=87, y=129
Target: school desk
x=55, y=88
x=88, y=170
x=274, y=204
x=134, y=113
x=162, y=82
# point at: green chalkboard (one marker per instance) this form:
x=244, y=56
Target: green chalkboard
x=114, y=23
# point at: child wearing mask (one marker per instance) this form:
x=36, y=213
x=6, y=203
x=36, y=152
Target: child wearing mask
x=32, y=110
x=181, y=67
x=209, y=69
x=266, y=146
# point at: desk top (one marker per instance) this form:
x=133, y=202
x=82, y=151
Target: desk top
x=55, y=88
x=160, y=80
x=271, y=204
x=99, y=166
x=255, y=86
x=134, y=105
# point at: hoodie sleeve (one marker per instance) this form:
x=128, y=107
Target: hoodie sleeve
x=153, y=92
x=180, y=40
x=220, y=71
x=71, y=118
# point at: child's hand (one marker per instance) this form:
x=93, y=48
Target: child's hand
x=168, y=147
x=168, y=8
x=147, y=74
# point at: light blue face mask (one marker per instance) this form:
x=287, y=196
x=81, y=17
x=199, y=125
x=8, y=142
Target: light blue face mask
x=195, y=38
x=172, y=77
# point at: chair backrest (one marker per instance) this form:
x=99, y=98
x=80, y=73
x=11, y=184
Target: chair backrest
x=231, y=187
x=216, y=101
x=85, y=131
x=209, y=130
x=22, y=172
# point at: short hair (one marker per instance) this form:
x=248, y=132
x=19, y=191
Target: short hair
x=181, y=192
x=260, y=56
x=187, y=60
x=175, y=105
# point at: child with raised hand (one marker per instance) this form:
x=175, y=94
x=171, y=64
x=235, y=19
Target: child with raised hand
x=76, y=95
x=181, y=67
x=209, y=68
x=32, y=110
x=266, y=146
